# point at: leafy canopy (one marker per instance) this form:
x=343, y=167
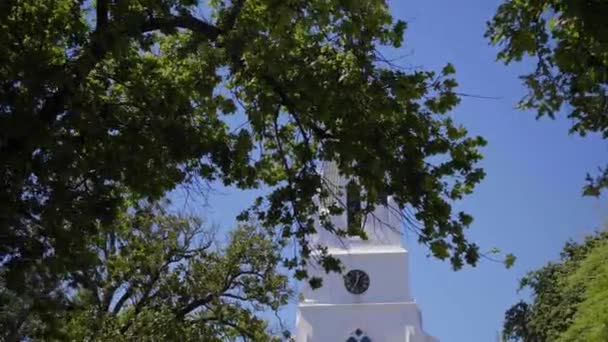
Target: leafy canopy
x=568, y=297
x=569, y=39
x=159, y=276
x=102, y=100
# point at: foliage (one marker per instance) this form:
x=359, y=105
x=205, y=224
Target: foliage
x=161, y=276
x=569, y=38
x=568, y=297
x=591, y=319
x=136, y=97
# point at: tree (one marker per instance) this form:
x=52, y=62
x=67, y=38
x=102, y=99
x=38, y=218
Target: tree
x=569, y=40
x=128, y=99
x=568, y=297
x=590, y=322
x=162, y=276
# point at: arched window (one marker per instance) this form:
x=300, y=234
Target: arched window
x=358, y=336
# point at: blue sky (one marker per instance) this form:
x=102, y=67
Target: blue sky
x=530, y=202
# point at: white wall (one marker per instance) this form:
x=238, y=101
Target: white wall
x=383, y=227
x=395, y=322
x=388, y=274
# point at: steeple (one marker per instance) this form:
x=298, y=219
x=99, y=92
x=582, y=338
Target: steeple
x=382, y=226
x=371, y=300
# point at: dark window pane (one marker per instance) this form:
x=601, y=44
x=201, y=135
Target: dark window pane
x=383, y=197
x=353, y=206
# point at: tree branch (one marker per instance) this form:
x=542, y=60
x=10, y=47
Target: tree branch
x=102, y=41
x=144, y=298
x=234, y=296
x=286, y=101
x=122, y=300
x=196, y=25
x=228, y=23
x=202, y=301
x=244, y=332
x=87, y=282
x=102, y=15
x=195, y=304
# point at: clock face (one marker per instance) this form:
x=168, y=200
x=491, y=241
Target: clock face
x=356, y=281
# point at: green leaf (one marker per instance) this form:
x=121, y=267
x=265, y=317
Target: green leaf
x=448, y=69
x=315, y=282
x=509, y=260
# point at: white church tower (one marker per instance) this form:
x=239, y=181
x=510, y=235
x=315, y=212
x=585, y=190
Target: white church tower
x=371, y=301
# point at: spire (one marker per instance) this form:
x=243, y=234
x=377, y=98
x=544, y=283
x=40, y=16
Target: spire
x=330, y=173
x=382, y=227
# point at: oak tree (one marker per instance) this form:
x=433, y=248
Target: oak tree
x=103, y=102
x=158, y=276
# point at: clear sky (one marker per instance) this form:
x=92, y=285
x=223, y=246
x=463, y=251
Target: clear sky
x=530, y=202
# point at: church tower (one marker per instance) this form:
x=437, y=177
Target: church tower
x=371, y=301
